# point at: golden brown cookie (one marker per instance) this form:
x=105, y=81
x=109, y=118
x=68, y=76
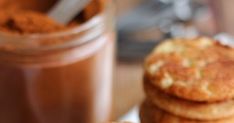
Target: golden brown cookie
x=189, y=109
x=198, y=69
x=151, y=114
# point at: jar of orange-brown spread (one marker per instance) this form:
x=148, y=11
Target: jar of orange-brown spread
x=54, y=73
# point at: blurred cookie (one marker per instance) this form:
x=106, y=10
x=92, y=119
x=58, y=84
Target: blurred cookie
x=189, y=109
x=198, y=69
x=151, y=114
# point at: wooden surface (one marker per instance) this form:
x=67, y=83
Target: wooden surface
x=127, y=87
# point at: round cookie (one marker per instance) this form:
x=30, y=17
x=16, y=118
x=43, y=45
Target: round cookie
x=151, y=114
x=198, y=69
x=189, y=109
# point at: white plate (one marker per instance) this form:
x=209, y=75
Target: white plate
x=132, y=115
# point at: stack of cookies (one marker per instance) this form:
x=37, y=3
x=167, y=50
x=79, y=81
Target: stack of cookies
x=189, y=81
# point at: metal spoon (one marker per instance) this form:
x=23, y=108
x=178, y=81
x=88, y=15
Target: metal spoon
x=65, y=10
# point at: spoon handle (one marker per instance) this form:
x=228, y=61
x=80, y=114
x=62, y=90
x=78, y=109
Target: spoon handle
x=65, y=10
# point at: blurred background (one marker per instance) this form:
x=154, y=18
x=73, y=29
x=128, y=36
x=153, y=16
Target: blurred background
x=142, y=24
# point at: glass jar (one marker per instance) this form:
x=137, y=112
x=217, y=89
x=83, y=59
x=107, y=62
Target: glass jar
x=63, y=77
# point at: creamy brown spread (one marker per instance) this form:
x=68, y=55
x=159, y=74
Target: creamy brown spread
x=29, y=16
x=27, y=22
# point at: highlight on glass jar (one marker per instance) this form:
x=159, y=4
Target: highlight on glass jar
x=52, y=72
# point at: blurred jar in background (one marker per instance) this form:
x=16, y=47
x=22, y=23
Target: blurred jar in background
x=222, y=11
x=60, y=77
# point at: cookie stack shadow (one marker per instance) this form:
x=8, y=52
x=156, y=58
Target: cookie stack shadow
x=189, y=81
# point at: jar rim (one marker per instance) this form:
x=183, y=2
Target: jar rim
x=36, y=42
x=74, y=30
